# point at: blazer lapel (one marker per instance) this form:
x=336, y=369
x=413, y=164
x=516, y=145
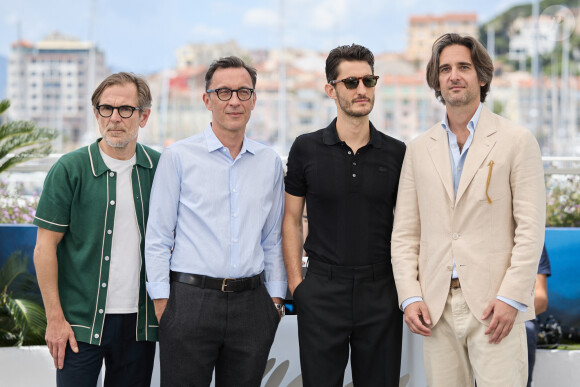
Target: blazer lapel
x=482, y=144
x=439, y=152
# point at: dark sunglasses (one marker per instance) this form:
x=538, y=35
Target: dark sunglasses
x=352, y=82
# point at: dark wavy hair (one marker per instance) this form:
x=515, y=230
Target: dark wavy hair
x=481, y=61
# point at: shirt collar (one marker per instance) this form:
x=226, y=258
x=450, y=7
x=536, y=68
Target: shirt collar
x=98, y=164
x=213, y=143
x=471, y=125
x=330, y=135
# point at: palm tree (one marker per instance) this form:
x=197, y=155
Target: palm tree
x=22, y=317
x=23, y=140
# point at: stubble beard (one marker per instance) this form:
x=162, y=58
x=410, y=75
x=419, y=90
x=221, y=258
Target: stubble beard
x=461, y=101
x=346, y=107
x=119, y=143
x=456, y=101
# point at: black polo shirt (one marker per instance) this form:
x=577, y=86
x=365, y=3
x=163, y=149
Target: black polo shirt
x=350, y=197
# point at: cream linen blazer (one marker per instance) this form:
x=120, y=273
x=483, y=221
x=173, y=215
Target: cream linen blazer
x=494, y=231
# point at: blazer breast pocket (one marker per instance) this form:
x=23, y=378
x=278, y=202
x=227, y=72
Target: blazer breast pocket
x=491, y=182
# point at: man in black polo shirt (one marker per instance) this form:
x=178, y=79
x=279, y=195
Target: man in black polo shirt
x=348, y=174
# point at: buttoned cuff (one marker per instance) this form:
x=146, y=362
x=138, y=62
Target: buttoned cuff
x=277, y=288
x=409, y=301
x=519, y=306
x=158, y=290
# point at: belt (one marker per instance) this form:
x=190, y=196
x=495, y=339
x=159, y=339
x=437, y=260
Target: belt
x=226, y=285
x=375, y=271
x=455, y=284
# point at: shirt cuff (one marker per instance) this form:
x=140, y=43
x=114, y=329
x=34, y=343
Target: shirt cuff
x=277, y=288
x=515, y=304
x=158, y=290
x=409, y=301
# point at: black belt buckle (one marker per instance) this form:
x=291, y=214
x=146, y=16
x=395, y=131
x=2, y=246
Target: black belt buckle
x=225, y=285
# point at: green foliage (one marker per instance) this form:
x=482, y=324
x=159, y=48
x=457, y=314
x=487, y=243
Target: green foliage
x=23, y=140
x=552, y=63
x=502, y=22
x=569, y=347
x=497, y=107
x=563, y=204
x=22, y=316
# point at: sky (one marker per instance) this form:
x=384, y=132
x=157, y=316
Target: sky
x=142, y=35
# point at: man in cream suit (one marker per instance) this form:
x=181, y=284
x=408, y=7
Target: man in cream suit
x=469, y=228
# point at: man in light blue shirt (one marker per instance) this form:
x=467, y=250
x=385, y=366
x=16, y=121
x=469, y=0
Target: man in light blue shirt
x=213, y=250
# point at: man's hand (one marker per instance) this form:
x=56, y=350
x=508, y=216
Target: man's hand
x=58, y=330
x=58, y=333
x=278, y=300
x=292, y=285
x=160, y=304
x=417, y=318
x=502, y=321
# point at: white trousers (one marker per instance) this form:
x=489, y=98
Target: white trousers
x=459, y=352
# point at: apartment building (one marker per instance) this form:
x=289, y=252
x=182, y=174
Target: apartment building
x=423, y=30
x=51, y=82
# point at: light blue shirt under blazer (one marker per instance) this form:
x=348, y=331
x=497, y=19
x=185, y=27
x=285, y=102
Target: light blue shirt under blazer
x=222, y=217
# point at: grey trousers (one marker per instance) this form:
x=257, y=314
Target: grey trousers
x=203, y=329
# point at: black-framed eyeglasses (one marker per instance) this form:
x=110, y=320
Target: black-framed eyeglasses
x=352, y=82
x=225, y=94
x=124, y=111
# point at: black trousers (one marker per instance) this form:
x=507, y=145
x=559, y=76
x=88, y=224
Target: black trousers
x=532, y=336
x=339, y=306
x=128, y=362
x=203, y=329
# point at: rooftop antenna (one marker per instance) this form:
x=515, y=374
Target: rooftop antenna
x=491, y=51
x=91, y=72
x=281, y=81
x=534, y=111
x=19, y=31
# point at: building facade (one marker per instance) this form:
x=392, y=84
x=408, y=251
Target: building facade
x=51, y=83
x=424, y=29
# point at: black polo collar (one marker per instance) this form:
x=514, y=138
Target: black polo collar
x=330, y=135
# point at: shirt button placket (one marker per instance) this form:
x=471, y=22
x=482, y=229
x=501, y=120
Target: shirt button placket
x=102, y=293
x=353, y=167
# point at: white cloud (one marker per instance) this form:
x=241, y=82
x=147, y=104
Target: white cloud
x=202, y=30
x=328, y=14
x=12, y=18
x=260, y=17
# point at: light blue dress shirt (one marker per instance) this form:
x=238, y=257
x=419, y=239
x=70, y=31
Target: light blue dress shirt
x=222, y=217
x=457, y=158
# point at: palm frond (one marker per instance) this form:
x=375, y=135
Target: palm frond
x=23, y=140
x=32, y=315
x=15, y=266
x=10, y=339
x=4, y=105
x=22, y=317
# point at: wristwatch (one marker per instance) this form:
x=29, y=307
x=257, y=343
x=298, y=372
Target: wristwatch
x=281, y=309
